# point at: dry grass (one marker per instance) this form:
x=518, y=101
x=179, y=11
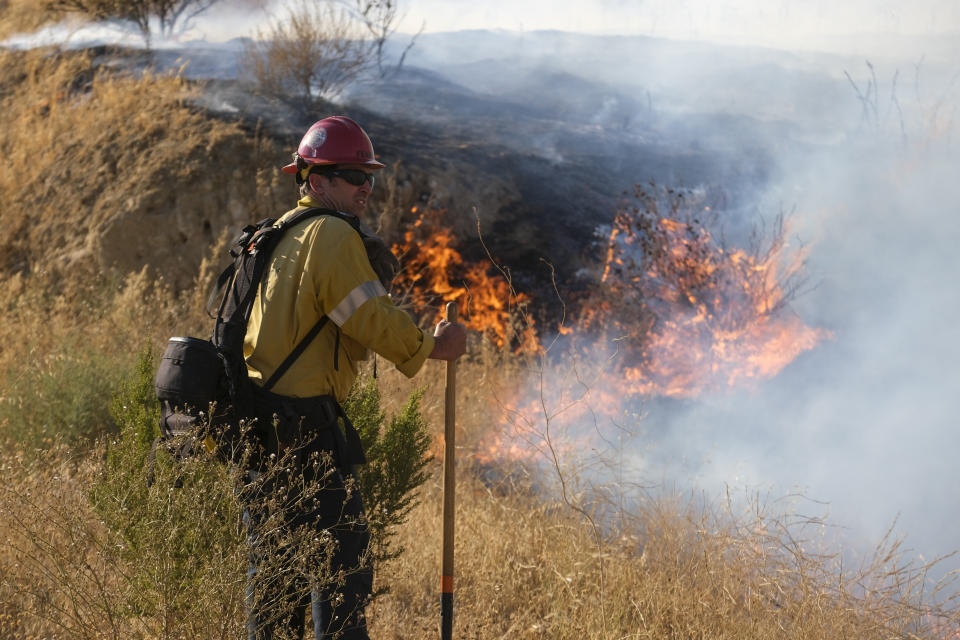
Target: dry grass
x=95, y=159
x=69, y=341
x=526, y=567
x=24, y=16
x=50, y=556
x=109, y=180
x=615, y=562
x=65, y=574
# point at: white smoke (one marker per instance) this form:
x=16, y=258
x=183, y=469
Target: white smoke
x=867, y=422
x=225, y=20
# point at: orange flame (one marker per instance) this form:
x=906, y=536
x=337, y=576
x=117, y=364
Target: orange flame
x=683, y=315
x=434, y=272
x=689, y=316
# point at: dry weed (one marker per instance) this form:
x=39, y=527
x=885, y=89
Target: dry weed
x=314, y=51
x=620, y=562
x=116, y=171
x=60, y=575
x=24, y=16
x=528, y=568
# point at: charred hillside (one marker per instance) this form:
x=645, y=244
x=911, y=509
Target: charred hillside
x=567, y=148
x=537, y=176
x=537, y=162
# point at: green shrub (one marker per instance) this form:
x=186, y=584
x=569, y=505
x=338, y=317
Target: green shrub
x=183, y=536
x=63, y=396
x=397, y=458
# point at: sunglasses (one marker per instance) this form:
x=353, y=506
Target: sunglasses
x=356, y=177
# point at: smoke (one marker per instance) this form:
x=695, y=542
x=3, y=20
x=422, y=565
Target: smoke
x=867, y=422
x=877, y=421
x=225, y=20
x=852, y=27
x=230, y=19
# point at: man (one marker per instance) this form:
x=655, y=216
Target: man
x=323, y=266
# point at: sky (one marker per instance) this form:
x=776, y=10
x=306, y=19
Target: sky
x=777, y=23
x=863, y=27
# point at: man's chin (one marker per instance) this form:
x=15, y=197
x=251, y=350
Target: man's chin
x=358, y=209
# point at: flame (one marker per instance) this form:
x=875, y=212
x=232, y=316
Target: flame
x=611, y=254
x=690, y=316
x=434, y=272
x=676, y=314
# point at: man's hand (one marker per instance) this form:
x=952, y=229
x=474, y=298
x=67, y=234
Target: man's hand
x=450, y=341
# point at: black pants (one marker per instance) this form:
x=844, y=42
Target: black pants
x=307, y=537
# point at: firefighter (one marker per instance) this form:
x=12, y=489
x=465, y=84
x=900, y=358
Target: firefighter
x=322, y=266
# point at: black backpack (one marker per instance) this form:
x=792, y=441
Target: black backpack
x=202, y=385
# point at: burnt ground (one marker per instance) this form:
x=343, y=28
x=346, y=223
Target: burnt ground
x=539, y=166
x=566, y=169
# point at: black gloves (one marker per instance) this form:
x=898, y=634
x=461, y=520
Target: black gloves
x=382, y=260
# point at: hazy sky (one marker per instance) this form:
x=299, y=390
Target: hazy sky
x=843, y=26
x=767, y=22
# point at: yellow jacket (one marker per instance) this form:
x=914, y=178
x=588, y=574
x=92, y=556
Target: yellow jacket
x=320, y=267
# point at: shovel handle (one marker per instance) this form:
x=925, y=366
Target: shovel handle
x=449, y=487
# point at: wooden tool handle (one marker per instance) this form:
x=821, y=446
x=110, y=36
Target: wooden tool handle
x=449, y=486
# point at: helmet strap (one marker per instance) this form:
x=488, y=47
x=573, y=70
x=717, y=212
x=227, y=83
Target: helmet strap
x=301, y=165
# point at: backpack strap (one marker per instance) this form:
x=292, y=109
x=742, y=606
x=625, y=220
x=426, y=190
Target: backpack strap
x=310, y=212
x=297, y=351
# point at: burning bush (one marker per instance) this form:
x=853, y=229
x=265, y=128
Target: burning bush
x=671, y=311
x=683, y=312
x=687, y=313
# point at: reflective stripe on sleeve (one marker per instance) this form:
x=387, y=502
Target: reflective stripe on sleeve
x=349, y=305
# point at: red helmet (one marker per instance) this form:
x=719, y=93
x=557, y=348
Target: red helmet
x=334, y=140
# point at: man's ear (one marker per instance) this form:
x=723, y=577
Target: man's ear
x=315, y=183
